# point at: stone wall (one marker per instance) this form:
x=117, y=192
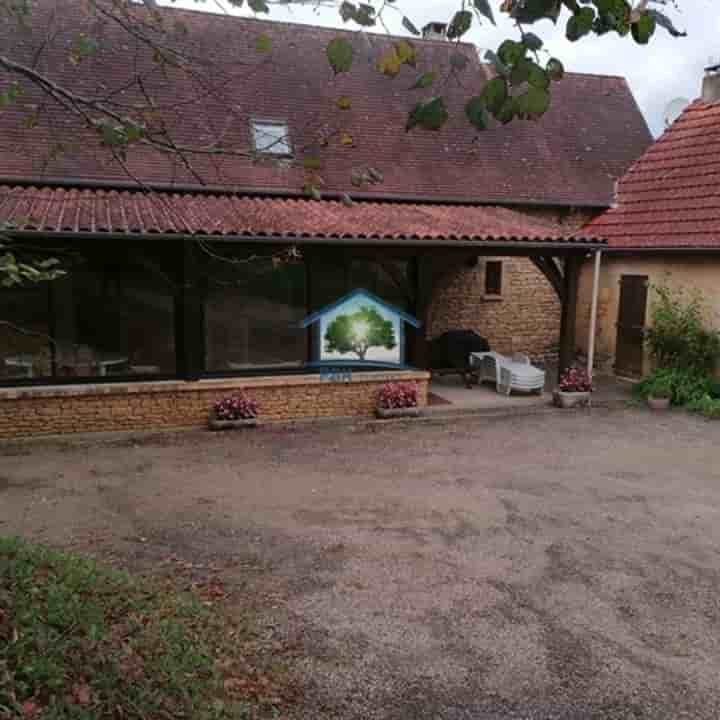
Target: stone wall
x=67, y=409
x=526, y=318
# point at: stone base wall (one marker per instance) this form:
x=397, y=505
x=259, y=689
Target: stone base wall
x=58, y=410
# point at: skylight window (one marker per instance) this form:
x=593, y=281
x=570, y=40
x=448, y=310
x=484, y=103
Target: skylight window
x=271, y=138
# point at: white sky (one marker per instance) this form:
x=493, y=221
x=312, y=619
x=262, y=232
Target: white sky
x=665, y=69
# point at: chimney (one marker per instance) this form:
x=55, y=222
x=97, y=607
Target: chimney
x=435, y=31
x=711, y=84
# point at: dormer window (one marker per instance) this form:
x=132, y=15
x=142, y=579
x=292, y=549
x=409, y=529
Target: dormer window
x=271, y=137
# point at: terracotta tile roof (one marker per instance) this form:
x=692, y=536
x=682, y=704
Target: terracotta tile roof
x=671, y=196
x=571, y=157
x=47, y=209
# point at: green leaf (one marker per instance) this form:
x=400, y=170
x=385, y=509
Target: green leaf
x=520, y=72
x=429, y=115
x=406, y=52
x=580, y=24
x=425, y=80
x=538, y=77
x=347, y=11
x=555, y=69
x=643, y=29
x=483, y=7
x=507, y=112
x=408, y=25
x=533, y=103
x=494, y=94
x=475, y=111
x=311, y=162
x=258, y=6
x=531, y=41
x=365, y=15
x=530, y=11
x=340, y=55
x=263, y=43
x=510, y=52
x=460, y=24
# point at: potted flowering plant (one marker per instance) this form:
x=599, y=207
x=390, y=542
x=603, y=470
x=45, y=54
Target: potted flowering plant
x=234, y=411
x=659, y=392
x=398, y=399
x=574, y=389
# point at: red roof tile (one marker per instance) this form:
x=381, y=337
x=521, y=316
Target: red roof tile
x=47, y=209
x=572, y=156
x=671, y=196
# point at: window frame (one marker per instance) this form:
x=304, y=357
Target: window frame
x=500, y=281
x=265, y=152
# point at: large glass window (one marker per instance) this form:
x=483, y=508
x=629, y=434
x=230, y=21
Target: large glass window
x=112, y=314
x=253, y=309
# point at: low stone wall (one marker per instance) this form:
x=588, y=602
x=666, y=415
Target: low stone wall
x=56, y=410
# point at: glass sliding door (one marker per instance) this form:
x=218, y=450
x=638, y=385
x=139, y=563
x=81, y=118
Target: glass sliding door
x=252, y=309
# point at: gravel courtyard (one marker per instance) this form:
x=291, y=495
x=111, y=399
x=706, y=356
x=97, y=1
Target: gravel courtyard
x=561, y=565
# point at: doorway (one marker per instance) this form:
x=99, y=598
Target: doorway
x=629, y=350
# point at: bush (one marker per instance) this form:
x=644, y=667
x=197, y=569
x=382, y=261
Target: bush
x=677, y=337
x=684, y=386
x=707, y=406
x=395, y=395
x=236, y=407
x=575, y=380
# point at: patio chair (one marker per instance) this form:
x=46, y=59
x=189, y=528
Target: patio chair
x=508, y=373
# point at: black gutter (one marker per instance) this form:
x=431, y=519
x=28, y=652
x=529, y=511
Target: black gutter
x=64, y=182
x=670, y=250
x=490, y=243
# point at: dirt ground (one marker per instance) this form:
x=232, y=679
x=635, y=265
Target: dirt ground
x=564, y=565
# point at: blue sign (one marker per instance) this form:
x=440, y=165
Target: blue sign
x=360, y=329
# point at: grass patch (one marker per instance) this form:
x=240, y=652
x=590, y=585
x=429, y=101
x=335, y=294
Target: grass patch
x=81, y=641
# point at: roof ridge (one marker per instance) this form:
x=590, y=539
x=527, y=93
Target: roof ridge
x=310, y=26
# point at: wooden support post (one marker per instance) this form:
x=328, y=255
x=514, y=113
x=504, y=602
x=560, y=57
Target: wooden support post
x=569, y=313
x=420, y=355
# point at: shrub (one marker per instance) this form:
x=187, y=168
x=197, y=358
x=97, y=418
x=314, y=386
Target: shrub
x=575, y=380
x=707, y=406
x=685, y=385
x=236, y=407
x=395, y=395
x=677, y=337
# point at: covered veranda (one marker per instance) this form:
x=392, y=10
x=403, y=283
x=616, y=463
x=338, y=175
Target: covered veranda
x=198, y=287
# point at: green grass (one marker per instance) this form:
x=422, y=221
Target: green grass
x=81, y=641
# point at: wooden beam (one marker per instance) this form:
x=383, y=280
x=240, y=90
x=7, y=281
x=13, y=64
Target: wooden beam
x=550, y=269
x=568, y=316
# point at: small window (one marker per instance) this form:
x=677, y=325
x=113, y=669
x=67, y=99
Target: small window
x=493, y=277
x=271, y=138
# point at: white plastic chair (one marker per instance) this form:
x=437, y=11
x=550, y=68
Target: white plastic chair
x=508, y=374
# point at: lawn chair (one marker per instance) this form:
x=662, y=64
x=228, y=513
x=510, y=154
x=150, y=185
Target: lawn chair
x=508, y=374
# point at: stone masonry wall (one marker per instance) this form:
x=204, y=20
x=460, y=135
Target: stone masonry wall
x=526, y=318
x=57, y=410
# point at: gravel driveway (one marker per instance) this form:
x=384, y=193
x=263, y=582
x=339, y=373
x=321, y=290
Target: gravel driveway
x=551, y=566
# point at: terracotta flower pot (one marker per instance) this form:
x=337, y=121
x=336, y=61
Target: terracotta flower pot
x=572, y=399
x=659, y=403
x=397, y=412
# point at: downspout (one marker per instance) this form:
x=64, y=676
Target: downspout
x=593, y=314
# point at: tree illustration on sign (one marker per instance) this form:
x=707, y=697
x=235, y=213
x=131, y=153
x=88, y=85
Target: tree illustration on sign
x=359, y=331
